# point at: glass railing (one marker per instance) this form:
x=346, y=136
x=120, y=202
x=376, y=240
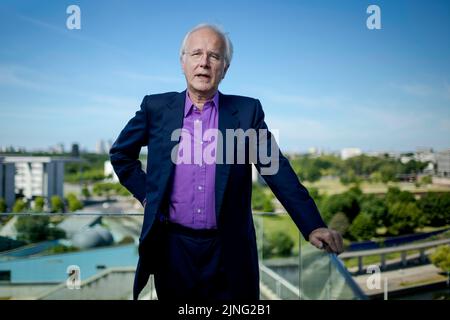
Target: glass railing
x=94, y=255
x=291, y=268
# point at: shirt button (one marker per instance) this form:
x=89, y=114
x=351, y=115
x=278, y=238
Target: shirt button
x=199, y=187
x=199, y=210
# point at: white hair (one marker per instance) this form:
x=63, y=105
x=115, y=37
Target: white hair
x=219, y=31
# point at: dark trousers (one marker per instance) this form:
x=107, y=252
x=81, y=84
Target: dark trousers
x=191, y=267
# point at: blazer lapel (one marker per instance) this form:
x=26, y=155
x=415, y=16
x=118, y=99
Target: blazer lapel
x=227, y=120
x=173, y=120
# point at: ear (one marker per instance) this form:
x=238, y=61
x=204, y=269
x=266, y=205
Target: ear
x=182, y=63
x=225, y=69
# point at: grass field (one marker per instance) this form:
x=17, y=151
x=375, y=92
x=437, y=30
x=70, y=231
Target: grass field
x=281, y=223
x=334, y=186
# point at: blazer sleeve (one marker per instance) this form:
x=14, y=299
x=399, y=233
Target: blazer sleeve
x=124, y=153
x=282, y=179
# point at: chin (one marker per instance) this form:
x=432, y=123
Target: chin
x=204, y=89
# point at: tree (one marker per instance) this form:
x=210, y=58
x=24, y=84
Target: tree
x=346, y=202
x=388, y=172
x=394, y=195
x=435, y=208
x=57, y=204
x=404, y=217
x=441, y=258
x=363, y=227
x=376, y=208
x=349, y=177
x=376, y=177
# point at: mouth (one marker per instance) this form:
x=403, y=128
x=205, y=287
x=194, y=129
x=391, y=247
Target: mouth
x=203, y=76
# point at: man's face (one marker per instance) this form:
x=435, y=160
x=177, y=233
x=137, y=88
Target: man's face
x=204, y=62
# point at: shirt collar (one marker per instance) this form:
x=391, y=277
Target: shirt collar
x=188, y=105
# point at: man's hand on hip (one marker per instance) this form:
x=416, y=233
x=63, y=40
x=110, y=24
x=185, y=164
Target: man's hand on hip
x=327, y=239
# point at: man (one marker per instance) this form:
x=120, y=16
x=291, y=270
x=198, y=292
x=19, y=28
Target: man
x=198, y=237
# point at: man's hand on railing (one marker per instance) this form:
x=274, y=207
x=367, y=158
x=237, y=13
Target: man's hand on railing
x=327, y=239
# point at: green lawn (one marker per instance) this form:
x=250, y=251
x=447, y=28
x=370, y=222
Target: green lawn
x=335, y=186
x=281, y=223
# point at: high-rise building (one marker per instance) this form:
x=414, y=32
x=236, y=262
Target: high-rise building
x=75, y=150
x=100, y=147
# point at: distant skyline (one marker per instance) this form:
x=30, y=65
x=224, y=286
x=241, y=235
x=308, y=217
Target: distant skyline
x=323, y=78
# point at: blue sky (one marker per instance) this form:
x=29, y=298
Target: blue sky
x=324, y=79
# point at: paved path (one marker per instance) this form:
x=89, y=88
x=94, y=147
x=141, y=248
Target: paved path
x=402, y=278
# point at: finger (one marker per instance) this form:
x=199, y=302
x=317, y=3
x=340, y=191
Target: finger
x=332, y=241
x=316, y=242
x=328, y=249
x=340, y=243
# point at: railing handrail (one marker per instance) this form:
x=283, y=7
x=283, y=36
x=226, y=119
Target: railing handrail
x=347, y=276
x=67, y=214
x=289, y=286
x=97, y=213
x=372, y=252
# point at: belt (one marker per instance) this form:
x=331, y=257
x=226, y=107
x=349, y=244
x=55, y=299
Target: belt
x=183, y=230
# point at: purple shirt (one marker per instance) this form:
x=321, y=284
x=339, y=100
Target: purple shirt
x=192, y=201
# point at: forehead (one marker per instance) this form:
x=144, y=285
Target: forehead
x=205, y=38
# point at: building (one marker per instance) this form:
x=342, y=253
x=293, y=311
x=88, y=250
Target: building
x=38, y=176
x=350, y=152
x=7, y=183
x=109, y=171
x=100, y=147
x=75, y=152
x=443, y=163
x=425, y=155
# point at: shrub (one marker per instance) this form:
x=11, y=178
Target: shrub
x=57, y=205
x=2, y=205
x=19, y=206
x=39, y=203
x=35, y=229
x=73, y=202
x=277, y=244
x=441, y=258
x=126, y=240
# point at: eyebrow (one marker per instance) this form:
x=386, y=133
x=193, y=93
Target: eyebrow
x=200, y=50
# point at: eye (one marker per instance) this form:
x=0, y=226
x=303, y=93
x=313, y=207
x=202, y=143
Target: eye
x=215, y=56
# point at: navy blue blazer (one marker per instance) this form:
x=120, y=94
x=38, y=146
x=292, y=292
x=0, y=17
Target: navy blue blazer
x=152, y=126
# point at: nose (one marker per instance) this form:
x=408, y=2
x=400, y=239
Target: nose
x=204, y=60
